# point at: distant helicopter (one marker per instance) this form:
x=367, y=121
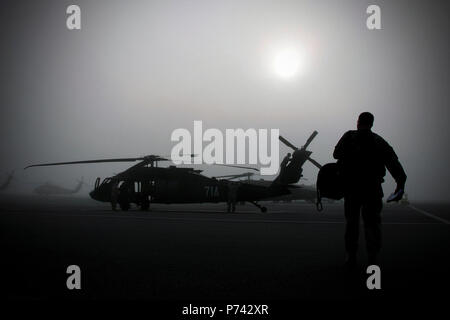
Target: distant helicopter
x=146, y=183
x=7, y=182
x=49, y=188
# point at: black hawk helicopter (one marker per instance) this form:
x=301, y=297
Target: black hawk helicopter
x=145, y=182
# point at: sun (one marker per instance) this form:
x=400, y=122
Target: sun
x=287, y=63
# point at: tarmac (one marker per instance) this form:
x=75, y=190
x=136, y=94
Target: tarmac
x=198, y=252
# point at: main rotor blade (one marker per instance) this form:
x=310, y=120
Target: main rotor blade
x=226, y=176
x=314, y=162
x=234, y=176
x=242, y=175
x=154, y=158
x=169, y=157
x=287, y=143
x=234, y=166
x=84, y=161
x=310, y=139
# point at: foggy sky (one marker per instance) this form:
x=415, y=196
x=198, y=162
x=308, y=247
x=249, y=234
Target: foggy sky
x=137, y=70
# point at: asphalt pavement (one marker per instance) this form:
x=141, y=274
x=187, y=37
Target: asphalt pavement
x=198, y=252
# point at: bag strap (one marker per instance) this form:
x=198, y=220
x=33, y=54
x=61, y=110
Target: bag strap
x=319, y=205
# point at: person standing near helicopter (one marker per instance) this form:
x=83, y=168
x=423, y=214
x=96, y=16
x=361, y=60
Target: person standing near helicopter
x=114, y=193
x=233, y=188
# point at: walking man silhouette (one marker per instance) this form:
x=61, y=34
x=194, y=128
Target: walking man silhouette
x=363, y=157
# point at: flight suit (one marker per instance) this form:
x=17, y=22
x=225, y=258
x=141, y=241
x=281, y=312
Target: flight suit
x=363, y=157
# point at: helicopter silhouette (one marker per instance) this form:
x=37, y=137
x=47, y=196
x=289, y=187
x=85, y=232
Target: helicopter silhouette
x=146, y=183
x=49, y=188
x=7, y=182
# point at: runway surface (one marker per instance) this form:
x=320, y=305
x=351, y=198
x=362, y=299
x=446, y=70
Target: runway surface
x=198, y=252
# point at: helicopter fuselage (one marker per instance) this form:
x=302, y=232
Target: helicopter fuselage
x=176, y=185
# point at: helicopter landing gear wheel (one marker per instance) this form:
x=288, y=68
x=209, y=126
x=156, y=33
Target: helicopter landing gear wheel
x=124, y=205
x=145, y=205
x=260, y=207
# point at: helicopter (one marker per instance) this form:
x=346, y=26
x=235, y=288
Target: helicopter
x=49, y=188
x=7, y=182
x=145, y=182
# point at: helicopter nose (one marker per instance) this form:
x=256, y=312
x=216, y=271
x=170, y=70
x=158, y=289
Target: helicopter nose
x=94, y=195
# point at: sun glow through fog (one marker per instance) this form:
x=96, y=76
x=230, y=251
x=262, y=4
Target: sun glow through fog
x=287, y=63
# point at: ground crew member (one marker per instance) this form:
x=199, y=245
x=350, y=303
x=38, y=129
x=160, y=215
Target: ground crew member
x=232, y=196
x=283, y=165
x=285, y=161
x=363, y=157
x=114, y=193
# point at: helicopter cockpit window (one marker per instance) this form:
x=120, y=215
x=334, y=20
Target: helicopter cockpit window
x=97, y=182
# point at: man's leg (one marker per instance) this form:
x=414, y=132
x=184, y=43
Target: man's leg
x=371, y=213
x=352, y=206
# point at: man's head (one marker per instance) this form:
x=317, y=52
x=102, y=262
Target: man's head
x=365, y=121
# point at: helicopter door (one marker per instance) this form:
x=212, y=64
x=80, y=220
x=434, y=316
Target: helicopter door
x=97, y=183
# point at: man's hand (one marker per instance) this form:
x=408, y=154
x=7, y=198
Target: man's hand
x=397, y=195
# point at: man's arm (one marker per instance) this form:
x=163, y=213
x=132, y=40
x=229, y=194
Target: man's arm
x=394, y=167
x=396, y=170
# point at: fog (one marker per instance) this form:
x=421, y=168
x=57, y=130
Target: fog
x=137, y=70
